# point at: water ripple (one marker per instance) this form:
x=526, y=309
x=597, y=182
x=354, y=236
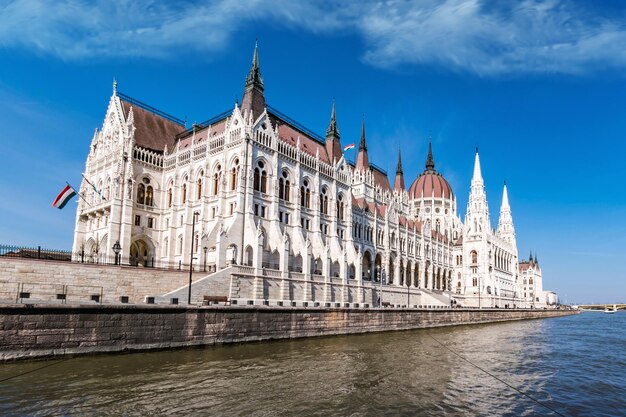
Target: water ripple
x=575, y=365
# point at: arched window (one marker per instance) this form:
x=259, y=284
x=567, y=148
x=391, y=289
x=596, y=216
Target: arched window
x=437, y=225
x=180, y=245
x=474, y=256
x=324, y=201
x=340, y=207
x=284, y=186
x=141, y=193
x=196, y=242
x=169, y=197
x=183, y=198
x=260, y=177
x=199, y=186
x=305, y=194
x=149, y=195
x=107, y=189
x=216, y=178
x=233, y=175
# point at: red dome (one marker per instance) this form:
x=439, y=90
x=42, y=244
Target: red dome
x=430, y=184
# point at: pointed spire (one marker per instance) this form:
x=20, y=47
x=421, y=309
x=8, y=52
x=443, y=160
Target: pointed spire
x=430, y=161
x=478, y=176
x=505, y=198
x=114, y=86
x=399, y=166
x=254, y=76
x=530, y=257
x=333, y=128
x=253, y=97
x=333, y=142
x=362, y=144
x=505, y=222
x=362, y=160
x=398, y=184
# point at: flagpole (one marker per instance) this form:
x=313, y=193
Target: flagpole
x=93, y=186
x=78, y=193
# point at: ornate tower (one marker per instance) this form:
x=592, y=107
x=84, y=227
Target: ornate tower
x=253, y=96
x=398, y=184
x=505, y=222
x=362, y=161
x=333, y=143
x=477, y=220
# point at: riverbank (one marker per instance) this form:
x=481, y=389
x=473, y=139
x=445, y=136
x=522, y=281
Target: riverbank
x=50, y=331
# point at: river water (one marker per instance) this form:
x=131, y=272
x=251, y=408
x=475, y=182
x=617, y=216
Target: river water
x=575, y=365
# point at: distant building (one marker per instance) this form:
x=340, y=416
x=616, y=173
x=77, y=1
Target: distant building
x=272, y=194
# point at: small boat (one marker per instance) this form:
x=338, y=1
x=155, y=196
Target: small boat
x=609, y=310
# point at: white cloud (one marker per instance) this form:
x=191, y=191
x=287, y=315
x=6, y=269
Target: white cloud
x=485, y=38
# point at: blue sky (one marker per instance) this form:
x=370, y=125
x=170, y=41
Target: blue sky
x=538, y=86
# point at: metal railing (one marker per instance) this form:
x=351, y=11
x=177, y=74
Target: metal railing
x=84, y=257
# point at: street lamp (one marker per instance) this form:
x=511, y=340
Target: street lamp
x=116, y=249
x=191, y=258
x=205, y=250
x=450, y=288
x=381, y=284
x=408, y=291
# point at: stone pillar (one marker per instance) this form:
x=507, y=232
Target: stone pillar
x=306, y=269
x=345, y=278
x=328, y=291
x=284, y=270
x=257, y=288
x=358, y=270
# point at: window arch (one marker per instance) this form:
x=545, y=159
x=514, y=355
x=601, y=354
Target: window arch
x=183, y=198
x=233, y=174
x=199, y=185
x=474, y=256
x=284, y=186
x=141, y=193
x=305, y=194
x=216, y=179
x=260, y=177
x=169, y=196
x=107, y=189
x=340, y=208
x=324, y=200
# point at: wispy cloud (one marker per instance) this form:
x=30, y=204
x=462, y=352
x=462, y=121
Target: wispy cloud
x=481, y=37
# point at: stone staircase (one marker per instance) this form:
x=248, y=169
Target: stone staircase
x=435, y=299
x=216, y=284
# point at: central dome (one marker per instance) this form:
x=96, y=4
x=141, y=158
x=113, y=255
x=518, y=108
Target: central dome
x=430, y=183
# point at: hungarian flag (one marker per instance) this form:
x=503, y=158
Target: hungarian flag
x=348, y=147
x=64, y=196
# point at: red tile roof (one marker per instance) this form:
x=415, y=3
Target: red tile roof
x=151, y=130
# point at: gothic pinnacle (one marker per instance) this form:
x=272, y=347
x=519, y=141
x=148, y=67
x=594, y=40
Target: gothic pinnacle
x=430, y=161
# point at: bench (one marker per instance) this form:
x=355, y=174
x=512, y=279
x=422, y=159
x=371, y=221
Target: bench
x=213, y=299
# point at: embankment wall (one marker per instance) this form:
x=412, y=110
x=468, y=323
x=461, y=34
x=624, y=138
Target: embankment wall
x=38, y=331
x=44, y=279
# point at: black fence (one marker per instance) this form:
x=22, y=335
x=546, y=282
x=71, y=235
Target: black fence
x=39, y=253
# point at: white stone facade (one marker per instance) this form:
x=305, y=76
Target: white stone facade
x=271, y=195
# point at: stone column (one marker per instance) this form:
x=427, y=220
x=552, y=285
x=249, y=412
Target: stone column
x=345, y=278
x=328, y=291
x=257, y=288
x=284, y=270
x=358, y=270
x=306, y=269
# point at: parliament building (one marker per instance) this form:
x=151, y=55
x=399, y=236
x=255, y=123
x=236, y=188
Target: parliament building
x=251, y=193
